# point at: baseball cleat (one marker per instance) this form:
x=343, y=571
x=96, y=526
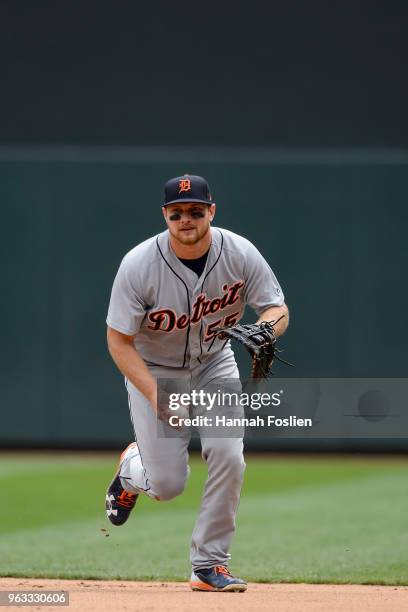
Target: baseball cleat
x=216, y=578
x=119, y=502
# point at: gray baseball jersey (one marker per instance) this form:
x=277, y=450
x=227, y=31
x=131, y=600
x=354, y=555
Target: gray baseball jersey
x=173, y=312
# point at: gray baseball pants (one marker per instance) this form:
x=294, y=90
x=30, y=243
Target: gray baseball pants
x=162, y=468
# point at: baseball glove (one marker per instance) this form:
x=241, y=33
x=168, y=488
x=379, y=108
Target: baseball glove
x=259, y=341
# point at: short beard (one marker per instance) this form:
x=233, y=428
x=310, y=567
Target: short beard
x=190, y=240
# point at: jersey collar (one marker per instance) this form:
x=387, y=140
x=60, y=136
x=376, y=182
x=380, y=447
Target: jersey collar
x=189, y=277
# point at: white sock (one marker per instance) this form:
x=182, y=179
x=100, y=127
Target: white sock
x=132, y=473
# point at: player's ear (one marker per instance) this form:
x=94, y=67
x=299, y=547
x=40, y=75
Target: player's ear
x=212, y=211
x=164, y=212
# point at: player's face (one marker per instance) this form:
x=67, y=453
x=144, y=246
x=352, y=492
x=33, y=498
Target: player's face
x=188, y=223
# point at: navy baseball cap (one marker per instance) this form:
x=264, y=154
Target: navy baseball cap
x=187, y=188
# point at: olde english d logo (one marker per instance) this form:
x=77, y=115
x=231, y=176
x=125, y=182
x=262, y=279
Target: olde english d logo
x=184, y=185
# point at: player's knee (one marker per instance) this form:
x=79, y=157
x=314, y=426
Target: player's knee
x=167, y=488
x=236, y=466
x=228, y=461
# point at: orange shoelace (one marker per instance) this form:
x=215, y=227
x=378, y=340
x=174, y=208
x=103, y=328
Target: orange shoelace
x=126, y=499
x=221, y=569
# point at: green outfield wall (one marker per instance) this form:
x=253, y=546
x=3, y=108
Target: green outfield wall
x=332, y=224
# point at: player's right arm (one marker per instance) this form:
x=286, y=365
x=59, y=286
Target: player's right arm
x=131, y=364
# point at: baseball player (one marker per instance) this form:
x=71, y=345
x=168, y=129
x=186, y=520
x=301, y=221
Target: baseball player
x=170, y=293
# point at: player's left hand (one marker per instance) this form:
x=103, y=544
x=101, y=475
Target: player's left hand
x=260, y=341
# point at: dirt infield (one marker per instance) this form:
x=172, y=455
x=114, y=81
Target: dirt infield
x=101, y=596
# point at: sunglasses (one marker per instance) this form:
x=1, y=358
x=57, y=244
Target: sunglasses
x=194, y=214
